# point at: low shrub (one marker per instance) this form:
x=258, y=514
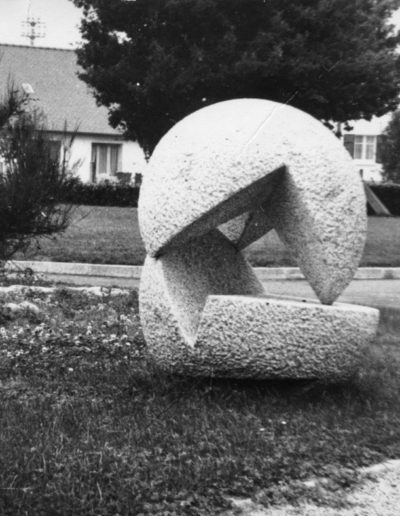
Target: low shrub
x=126, y=195
x=389, y=194
x=100, y=194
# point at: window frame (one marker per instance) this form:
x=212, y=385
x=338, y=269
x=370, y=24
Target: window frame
x=365, y=150
x=100, y=172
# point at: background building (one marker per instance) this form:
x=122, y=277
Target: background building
x=49, y=77
x=364, y=145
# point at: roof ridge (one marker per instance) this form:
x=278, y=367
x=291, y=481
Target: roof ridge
x=37, y=48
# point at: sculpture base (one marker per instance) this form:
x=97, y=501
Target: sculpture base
x=262, y=337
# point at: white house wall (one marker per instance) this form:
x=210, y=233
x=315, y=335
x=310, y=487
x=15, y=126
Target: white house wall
x=133, y=159
x=373, y=127
x=369, y=169
x=132, y=156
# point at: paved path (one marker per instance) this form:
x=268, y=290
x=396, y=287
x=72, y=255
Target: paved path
x=364, y=292
x=373, y=286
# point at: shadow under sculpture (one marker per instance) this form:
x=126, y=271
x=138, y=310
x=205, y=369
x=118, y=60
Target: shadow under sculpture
x=219, y=180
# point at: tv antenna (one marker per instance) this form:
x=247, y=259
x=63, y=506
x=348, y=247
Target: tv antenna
x=33, y=28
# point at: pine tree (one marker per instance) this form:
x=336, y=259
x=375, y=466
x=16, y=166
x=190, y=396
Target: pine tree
x=32, y=178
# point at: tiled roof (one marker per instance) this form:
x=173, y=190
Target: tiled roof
x=52, y=73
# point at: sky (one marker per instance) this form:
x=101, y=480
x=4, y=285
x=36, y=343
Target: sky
x=61, y=19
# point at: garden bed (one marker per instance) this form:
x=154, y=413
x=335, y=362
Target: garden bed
x=88, y=426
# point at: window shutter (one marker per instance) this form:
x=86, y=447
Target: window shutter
x=348, y=142
x=380, y=142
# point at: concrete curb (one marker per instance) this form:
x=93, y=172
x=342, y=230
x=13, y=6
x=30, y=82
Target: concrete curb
x=133, y=271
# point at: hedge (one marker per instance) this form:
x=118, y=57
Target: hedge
x=389, y=195
x=123, y=195
x=101, y=194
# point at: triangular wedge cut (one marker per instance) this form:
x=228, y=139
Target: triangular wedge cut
x=276, y=163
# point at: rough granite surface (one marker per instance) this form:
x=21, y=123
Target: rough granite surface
x=247, y=166
x=237, y=156
x=204, y=312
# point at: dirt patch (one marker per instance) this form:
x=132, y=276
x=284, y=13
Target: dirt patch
x=379, y=494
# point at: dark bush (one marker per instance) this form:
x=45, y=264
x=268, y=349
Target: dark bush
x=389, y=195
x=102, y=194
x=125, y=195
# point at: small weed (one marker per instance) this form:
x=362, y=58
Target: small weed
x=21, y=275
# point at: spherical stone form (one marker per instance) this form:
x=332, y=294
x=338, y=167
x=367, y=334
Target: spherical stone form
x=271, y=160
x=217, y=181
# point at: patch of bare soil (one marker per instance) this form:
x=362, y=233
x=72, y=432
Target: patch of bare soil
x=378, y=495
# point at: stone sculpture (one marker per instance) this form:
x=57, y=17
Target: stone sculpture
x=217, y=181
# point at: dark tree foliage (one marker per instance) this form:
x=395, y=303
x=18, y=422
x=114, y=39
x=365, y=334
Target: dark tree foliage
x=390, y=153
x=31, y=180
x=154, y=61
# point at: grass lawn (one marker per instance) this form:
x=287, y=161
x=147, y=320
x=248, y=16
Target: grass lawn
x=89, y=427
x=111, y=235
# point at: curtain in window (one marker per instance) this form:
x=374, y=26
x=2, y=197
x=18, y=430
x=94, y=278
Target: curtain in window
x=358, y=147
x=370, y=147
x=102, y=159
x=105, y=159
x=114, y=155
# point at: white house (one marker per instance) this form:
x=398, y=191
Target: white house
x=363, y=143
x=50, y=78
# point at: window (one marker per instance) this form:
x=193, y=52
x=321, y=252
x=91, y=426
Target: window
x=370, y=144
x=358, y=147
x=361, y=146
x=55, y=149
x=106, y=159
